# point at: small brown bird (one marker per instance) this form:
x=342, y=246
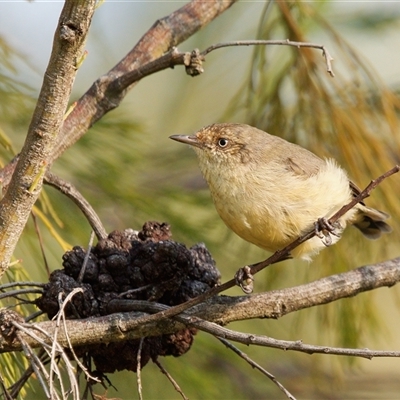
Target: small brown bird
x=270, y=191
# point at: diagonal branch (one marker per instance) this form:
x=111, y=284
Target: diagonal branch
x=277, y=256
x=72, y=193
x=165, y=34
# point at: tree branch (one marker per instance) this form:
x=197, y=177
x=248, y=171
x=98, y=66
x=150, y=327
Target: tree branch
x=26, y=182
x=104, y=96
x=219, y=310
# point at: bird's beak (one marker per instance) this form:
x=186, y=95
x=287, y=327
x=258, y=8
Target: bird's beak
x=191, y=140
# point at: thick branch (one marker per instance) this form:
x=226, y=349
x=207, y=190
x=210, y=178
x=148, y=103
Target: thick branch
x=45, y=126
x=220, y=310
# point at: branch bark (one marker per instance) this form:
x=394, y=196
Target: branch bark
x=26, y=182
x=220, y=310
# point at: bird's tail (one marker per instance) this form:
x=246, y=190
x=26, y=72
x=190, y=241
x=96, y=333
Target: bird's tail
x=371, y=222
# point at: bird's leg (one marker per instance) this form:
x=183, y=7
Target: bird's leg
x=244, y=278
x=324, y=229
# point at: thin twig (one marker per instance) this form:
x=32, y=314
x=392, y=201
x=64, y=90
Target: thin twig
x=27, y=329
x=256, y=366
x=86, y=259
x=14, y=293
x=287, y=42
x=34, y=316
x=37, y=367
x=139, y=368
x=171, y=379
x=71, y=348
x=193, y=61
x=4, y=392
x=277, y=256
x=71, y=192
x=20, y=383
x=252, y=339
x=37, y=230
x=12, y=284
x=60, y=315
x=51, y=349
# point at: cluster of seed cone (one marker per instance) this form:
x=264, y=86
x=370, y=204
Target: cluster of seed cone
x=145, y=265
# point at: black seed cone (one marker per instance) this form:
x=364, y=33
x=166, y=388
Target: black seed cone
x=163, y=270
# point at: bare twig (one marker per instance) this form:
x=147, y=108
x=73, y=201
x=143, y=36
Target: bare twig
x=39, y=235
x=34, y=315
x=57, y=347
x=171, y=379
x=53, y=348
x=287, y=42
x=14, y=293
x=12, y=284
x=5, y=393
x=277, y=256
x=71, y=348
x=260, y=340
x=193, y=61
x=86, y=259
x=139, y=369
x=38, y=368
x=166, y=33
x=20, y=383
x=256, y=366
x=71, y=192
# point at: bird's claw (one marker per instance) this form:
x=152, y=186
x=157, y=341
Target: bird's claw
x=324, y=229
x=245, y=279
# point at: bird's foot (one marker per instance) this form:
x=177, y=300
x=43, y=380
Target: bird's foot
x=324, y=229
x=245, y=279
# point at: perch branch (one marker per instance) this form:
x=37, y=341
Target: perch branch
x=277, y=256
x=220, y=310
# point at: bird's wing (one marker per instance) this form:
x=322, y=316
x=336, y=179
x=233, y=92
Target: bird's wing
x=304, y=166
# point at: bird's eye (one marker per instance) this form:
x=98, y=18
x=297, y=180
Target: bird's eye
x=222, y=142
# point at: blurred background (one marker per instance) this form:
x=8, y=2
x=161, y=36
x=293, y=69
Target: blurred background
x=130, y=172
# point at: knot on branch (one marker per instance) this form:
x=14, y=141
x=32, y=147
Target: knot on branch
x=194, y=62
x=69, y=32
x=145, y=265
x=7, y=328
